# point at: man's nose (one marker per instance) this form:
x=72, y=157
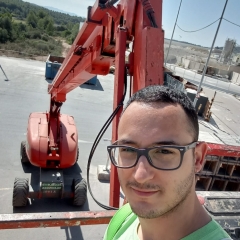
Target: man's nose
x=143, y=170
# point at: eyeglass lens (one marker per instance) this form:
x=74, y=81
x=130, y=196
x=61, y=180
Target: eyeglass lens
x=160, y=157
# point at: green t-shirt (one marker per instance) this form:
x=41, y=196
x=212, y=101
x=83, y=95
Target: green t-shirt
x=211, y=231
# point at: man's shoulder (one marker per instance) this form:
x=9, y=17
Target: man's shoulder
x=211, y=231
x=217, y=232
x=121, y=221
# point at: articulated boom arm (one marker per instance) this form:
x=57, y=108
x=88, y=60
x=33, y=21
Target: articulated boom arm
x=94, y=49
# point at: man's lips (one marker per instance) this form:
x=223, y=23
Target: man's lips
x=143, y=193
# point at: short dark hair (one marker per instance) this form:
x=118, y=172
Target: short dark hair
x=163, y=94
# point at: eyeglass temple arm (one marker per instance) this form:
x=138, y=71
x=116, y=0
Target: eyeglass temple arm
x=192, y=145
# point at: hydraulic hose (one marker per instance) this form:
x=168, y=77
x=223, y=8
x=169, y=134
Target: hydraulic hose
x=149, y=11
x=97, y=140
x=147, y=6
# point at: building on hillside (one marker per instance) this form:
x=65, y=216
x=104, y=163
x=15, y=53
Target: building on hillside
x=216, y=53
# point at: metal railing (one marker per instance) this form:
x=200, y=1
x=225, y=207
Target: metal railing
x=213, y=82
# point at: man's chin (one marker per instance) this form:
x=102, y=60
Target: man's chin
x=148, y=210
x=144, y=209
x=146, y=213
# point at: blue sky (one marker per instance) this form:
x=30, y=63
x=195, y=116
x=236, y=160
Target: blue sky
x=194, y=14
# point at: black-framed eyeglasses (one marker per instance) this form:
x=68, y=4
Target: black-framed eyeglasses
x=164, y=157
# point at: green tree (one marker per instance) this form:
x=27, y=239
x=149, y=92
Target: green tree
x=22, y=27
x=50, y=28
x=32, y=19
x=3, y=35
x=41, y=24
x=46, y=20
x=73, y=34
x=66, y=33
x=42, y=14
x=6, y=25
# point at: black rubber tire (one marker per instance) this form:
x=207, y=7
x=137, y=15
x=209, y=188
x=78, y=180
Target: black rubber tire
x=80, y=192
x=77, y=154
x=20, y=192
x=23, y=154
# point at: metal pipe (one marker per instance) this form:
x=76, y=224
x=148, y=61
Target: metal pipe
x=210, y=52
x=4, y=73
x=54, y=219
x=172, y=34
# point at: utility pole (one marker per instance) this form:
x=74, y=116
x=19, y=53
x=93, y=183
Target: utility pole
x=172, y=34
x=209, y=55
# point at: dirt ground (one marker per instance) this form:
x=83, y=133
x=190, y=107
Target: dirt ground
x=66, y=48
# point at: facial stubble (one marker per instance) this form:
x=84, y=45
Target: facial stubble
x=180, y=194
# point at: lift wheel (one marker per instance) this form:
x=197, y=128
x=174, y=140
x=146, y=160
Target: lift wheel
x=20, y=192
x=80, y=192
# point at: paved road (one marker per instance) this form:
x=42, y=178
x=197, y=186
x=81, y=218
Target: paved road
x=221, y=85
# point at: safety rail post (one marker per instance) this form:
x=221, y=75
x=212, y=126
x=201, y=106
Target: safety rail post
x=121, y=38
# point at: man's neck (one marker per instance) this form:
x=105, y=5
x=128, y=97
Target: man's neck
x=186, y=219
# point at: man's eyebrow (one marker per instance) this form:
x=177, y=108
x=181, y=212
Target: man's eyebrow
x=126, y=141
x=166, y=143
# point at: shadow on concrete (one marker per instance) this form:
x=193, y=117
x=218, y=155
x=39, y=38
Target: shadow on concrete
x=51, y=204
x=206, y=123
x=213, y=122
x=47, y=205
x=73, y=233
x=97, y=86
x=49, y=80
x=104, y=181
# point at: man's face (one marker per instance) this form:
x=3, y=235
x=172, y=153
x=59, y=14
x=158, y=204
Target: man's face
x=152, y=192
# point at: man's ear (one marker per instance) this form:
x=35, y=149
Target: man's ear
x=200, y=153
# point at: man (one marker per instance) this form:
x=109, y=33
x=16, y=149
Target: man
x=157, y=155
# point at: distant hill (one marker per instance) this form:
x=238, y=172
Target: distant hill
x=61, y=11
x=20, y=9
x=236, y=50
x=184, y=42
x=32, y=29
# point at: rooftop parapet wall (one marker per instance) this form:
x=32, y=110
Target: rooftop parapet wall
x=213, y=68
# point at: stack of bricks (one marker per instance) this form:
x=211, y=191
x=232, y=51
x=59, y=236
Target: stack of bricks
x=219, y=173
